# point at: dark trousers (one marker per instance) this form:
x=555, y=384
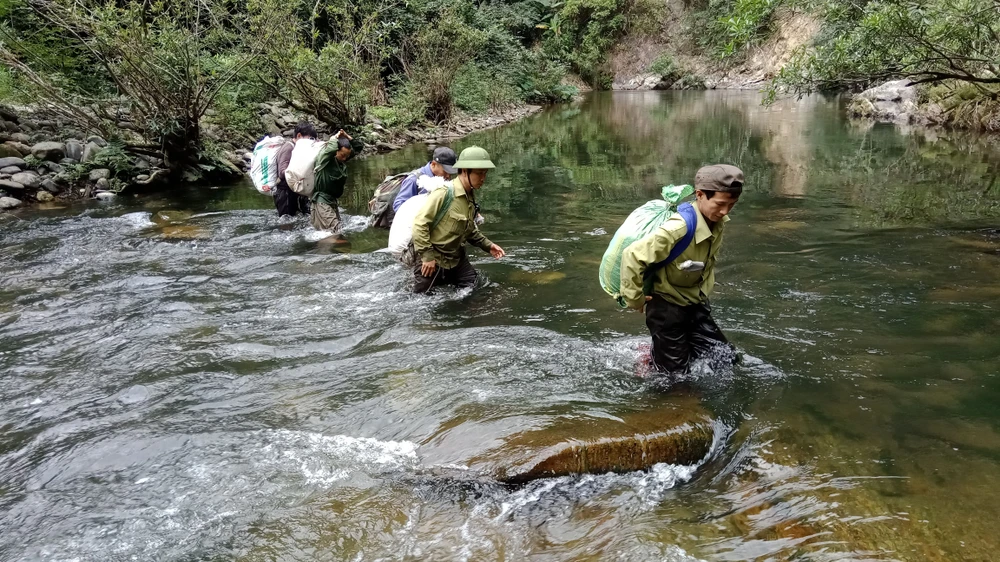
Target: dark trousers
x=682, y=334
x=462, y=275
x=288, y=202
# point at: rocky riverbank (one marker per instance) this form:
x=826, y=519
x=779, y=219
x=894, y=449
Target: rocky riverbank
x=42, y=159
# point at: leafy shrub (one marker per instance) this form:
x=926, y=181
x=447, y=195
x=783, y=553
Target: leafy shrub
x=730, y=27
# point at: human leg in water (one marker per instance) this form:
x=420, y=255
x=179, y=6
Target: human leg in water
x=707, y=340
x=463, y=275
x=668, y=326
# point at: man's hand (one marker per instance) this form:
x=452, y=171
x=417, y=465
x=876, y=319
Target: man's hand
x=427, y=268
x=343, y=133
x=497, y=251
x=642, y=307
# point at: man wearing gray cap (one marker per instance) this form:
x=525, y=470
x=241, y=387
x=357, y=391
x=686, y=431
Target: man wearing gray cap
x=442, y=165
x=670, y=273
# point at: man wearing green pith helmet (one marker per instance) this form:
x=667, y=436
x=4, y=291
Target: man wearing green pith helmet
x=440, y=232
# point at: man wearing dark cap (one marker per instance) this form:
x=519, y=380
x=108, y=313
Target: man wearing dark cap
x=442, y=165
x=674, y=294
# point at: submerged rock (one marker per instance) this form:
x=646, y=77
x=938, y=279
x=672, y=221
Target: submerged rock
x=105, y=195
x=44, y=196
x=679, y=432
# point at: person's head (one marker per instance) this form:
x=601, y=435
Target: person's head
x=443, y=162
x=305, y=130
x=344, y=149
x=718, y=187
x=472, y=165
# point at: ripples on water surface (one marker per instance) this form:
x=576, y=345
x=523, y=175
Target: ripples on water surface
x=189, y=378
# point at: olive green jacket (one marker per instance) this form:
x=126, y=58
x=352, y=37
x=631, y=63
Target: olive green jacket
x=679, y=287
x=444, y=243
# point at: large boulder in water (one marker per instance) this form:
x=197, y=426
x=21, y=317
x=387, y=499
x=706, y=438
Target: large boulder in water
x=676, y=432
x=894, y=101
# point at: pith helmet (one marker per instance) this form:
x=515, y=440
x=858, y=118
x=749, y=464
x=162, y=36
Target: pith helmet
x=474, y=158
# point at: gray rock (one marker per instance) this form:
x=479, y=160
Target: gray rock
x=8, y=114
x=142, y=177
x=141, y=164
x=44, y=196
x=97, y=140
x=105, y=195
x=248, y=156
x=11, y=126
x=50, y=186
x=28, y=124
x=68, y=162
x=74, y=149
x=10, y=185
x=22, y=148
x=13, y=161
x=102, y=184
x=51, y=167
x=99, y=174
x=893, y=101
x=10, y=170
x=48, y=151
x=90, y=151
x=21, y=138
x=9, y=203
x=27, y=179
x=269, y=125
x=8, y=150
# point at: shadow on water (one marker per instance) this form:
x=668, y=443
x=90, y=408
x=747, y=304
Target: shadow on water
x=188, y=377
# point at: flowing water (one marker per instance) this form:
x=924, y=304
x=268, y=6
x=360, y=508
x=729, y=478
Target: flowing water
x=187, y=377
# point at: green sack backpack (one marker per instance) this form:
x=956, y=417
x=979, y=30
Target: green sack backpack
x=642, y=222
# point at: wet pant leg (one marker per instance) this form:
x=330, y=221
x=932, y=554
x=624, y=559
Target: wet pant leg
x=668, y=326
x=462, y=275
x=303, y=205
x=682, y=334
x=325, y=217
x=285, y=200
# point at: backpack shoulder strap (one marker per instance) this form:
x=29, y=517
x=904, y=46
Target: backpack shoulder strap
x=687, y=212
x=449, y=197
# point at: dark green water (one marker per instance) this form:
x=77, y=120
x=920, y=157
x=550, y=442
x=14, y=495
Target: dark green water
x=185, y=377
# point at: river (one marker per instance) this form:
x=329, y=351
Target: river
x=187, y=377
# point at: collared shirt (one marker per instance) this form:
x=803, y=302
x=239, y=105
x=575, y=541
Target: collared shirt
x=444, y=243
x=670, y=282
x=409, y=187
x=331, y=175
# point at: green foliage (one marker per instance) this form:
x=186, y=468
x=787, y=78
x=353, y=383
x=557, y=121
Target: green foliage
x=10, y=90
x=477, y=90
x=927, y=41
x=583, y=33
x=728, y=28
x=664, y=65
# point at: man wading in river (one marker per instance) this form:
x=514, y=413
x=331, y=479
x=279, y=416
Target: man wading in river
x=675, y=298
x=440, y=231
x=331, y=175
x=286, y=201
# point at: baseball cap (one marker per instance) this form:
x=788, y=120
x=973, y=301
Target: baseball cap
x=446, y=157
x=720, y=177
